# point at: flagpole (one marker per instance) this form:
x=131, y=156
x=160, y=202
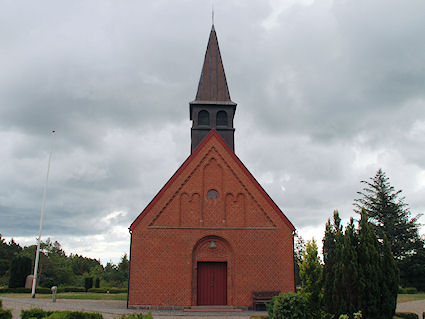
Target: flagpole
x=43, y=206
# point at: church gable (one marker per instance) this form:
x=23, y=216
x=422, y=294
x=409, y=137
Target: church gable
x=213, y=190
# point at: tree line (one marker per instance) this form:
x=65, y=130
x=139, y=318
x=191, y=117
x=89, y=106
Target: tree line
x=56, y=268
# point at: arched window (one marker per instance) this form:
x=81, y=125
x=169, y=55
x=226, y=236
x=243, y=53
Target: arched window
x=222, y=118
x=203, y=118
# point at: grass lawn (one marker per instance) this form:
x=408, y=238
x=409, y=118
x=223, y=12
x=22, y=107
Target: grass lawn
x=71, y=295
x=410, y=297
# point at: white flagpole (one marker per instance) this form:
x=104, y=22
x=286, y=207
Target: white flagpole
x=43, y=206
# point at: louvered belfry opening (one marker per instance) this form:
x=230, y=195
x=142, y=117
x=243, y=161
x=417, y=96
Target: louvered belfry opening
x=212, y=97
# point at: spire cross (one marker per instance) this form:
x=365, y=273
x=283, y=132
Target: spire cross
x=212, y=12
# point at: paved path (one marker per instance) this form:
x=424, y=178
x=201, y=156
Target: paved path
x=417, y=306
x=111, y=308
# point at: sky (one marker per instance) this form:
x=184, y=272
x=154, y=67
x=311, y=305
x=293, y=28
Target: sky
x=328, y=92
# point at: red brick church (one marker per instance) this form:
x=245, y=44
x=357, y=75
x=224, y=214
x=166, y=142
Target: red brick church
x=212, y=235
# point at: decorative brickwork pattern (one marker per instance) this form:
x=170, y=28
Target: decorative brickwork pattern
x=211, y=210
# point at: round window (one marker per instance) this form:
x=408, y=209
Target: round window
x=212, y=194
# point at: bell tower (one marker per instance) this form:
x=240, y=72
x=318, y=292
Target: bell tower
x=212, y=107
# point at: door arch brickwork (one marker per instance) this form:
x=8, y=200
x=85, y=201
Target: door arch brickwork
x=213, y=249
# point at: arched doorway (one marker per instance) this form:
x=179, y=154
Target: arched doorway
x=212, y=274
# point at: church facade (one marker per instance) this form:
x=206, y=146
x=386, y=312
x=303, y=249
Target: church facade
x=212, y=235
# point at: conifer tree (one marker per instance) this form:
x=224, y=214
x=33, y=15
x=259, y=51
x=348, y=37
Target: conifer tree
x=370, y=275
x=350, y=278
x=389, y=286
x=387, y=210
x=333, y=249
x=311, y=278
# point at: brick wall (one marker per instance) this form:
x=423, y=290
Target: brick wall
x=175, y=231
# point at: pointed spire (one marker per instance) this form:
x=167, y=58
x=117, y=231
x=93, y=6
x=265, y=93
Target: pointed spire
x=212, y=84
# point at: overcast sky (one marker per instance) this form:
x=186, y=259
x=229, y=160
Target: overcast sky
x=328, y=92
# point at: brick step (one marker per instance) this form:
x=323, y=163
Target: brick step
x=212, y=309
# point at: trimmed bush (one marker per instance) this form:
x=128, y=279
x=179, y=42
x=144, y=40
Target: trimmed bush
x=97, y=283
x=108, y=290
x=98, y=290
x=74, y=315
x=39, y=290
x=407, y=315
x=19, y=290
x=43, y=290
x=35, y=313
x=408, y=290
x=5, y=314
x=40, y=313
x=290, y=305
x=71, y=289
x=117, y=290
x=411, y=290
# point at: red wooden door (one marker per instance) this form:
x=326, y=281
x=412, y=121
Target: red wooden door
x=212, y=283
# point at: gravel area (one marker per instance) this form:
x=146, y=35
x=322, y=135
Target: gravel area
x=111, y=308
x=417, y=306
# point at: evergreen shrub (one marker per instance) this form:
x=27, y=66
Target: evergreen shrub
x=40, y=313
x=411, y=290
x=117, y=290
x=290, y=305
x=108, y=290
x=37, y=313
x=72, y=289
x=20, y=268
x=88, y=283
x=407, y=315
x=98, y=290
x=5, y=314
x=20, y=290
x=43, y=290
x=39, y=290
x=97, y=283
x=74, y=315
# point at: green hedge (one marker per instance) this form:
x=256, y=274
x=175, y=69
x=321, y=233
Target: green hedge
x=108, y=290
x=5, y=314
x=407, y=315
x=71, y=289
x=40, y=314
x=37, y=313
x=39, y=290
x=74, y=315
x=408, y=290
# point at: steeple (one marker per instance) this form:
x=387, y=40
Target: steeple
x=212, y=107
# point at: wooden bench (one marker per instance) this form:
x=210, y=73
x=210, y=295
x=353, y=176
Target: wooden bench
x=262, y=297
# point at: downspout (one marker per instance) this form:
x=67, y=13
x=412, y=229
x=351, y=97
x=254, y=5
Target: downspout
x=129, y=266
x=293, y=261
